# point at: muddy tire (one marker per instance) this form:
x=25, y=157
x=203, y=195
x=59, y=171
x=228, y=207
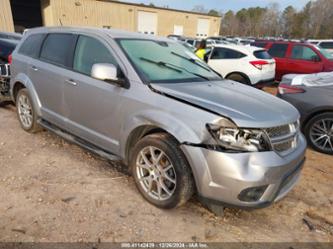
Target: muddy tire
x=161, y=171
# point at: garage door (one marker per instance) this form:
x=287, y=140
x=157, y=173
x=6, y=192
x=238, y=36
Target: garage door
x=147, y=22
x=203, y=28
x=178, y=30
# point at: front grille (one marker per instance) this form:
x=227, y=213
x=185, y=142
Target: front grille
x=278, y=131
x=284, y=138
x=280, y=147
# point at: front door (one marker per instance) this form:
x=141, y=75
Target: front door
x=304, y=60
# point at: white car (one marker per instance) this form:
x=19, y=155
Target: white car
x=245, y=64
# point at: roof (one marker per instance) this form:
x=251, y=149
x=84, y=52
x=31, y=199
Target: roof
x=113, y=33
x=9, y=41
x=241, y=48
x=159, y=8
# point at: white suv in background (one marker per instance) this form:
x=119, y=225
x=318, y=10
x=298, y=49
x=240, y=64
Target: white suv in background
x=245, y=64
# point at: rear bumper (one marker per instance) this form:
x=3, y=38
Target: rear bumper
x=222, y=177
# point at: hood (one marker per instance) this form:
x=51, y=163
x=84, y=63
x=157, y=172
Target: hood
x=246, y=106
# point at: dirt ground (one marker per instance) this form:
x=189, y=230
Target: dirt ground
x=54, y=191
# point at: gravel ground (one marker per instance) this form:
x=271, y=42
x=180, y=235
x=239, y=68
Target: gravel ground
x=54, y=191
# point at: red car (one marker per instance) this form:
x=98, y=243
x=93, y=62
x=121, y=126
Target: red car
x=297, y=57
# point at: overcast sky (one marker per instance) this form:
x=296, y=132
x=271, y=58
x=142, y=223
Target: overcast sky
x=223, y=5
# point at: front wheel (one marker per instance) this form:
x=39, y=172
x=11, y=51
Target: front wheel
x=161, y=172
x=319, y=133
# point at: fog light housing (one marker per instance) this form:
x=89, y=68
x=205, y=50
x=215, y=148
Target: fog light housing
x=252, y=194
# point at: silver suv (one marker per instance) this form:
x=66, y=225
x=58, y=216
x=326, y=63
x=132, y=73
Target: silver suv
x=150, y=103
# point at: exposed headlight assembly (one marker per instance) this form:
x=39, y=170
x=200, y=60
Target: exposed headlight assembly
x=238, y=139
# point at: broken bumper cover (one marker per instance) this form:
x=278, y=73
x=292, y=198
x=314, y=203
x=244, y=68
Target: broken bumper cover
x=225, y=178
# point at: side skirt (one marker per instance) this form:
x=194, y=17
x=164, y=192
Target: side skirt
x=76, y=140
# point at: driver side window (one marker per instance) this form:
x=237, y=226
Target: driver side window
x=303, y=53
x=88, y=52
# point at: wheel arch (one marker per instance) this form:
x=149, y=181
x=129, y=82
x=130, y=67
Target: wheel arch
x=23, y=81
x=315, y=113
x=240, y=73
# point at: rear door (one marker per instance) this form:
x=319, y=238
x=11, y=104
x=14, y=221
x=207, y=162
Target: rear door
x=92, y=105
x=48, y=74
x=279, y=52
x=304, y=60
x=225, y=60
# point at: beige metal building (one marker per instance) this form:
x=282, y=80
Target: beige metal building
x=20, y=14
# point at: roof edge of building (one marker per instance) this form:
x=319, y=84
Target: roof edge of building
x=159, y=8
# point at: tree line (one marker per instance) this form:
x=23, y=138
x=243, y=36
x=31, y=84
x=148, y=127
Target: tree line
x=314, y=20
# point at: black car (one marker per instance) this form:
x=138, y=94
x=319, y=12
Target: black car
x=6, y=48
x=312, y=95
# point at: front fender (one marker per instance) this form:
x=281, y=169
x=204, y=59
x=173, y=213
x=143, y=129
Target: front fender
x=21, y=78
x=174, y=126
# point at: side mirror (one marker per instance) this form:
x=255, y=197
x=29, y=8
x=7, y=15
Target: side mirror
x=107, y=72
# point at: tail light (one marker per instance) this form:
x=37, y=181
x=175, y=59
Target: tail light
x=287, y=89
x=259, y=64
x=10, y=59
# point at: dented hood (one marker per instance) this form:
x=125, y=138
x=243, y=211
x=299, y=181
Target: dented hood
x=246, y=106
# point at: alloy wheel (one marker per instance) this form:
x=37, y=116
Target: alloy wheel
x=156, y=173
x=25, y=111
x=321, y=134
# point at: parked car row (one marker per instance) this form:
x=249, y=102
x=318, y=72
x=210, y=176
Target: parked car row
x=151, y=103
x=297, y=57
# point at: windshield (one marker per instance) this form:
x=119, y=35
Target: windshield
x=166, y=62
x=325, y=53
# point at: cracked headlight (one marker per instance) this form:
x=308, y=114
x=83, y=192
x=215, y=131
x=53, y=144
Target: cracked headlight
x=238, y=139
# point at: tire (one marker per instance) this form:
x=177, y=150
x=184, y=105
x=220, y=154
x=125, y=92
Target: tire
x=239, y=78
x=148, y=179
x=26, y=113
x=319, y=133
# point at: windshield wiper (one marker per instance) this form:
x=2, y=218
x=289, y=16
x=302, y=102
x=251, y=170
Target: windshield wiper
x=173, y=67
x=191, y=60
x=161, y=63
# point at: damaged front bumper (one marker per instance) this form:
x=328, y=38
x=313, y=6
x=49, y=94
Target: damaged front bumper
x=244, y=180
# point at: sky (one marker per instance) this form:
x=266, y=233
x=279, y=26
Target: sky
x=221, y=5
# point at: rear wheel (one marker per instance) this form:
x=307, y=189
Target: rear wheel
x=25, y=112
x=239, y=78
x=161, y=172
x=319, y=133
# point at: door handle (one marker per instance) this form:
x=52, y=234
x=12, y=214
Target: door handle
x=71, y=82
x=34, y=68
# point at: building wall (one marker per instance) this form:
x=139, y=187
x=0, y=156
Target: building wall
x=121, y=16
x=6, y=18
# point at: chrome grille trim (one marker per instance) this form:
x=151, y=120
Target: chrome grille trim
x=284, y=138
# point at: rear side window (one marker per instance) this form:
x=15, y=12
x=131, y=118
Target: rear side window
x=326, y=45
x=225, y=53
x=58, y=49
x=278, y=50
x=31, y=45
x=90, y=51
x=262, y=54
x=303, y=53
